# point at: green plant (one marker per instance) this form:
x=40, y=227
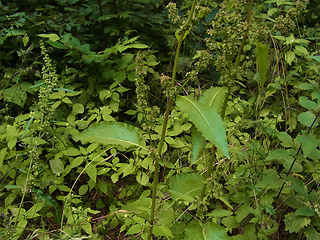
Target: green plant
x=127, y=125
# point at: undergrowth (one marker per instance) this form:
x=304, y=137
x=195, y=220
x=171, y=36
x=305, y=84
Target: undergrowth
x=156, y=120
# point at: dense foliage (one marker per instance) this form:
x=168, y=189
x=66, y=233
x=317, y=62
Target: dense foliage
x=149, y=119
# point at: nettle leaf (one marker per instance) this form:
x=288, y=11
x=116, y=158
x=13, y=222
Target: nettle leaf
x=311, y=233
x=186, y=186
x=15, y=94
x=207, y=121
x=111, y=133
x=305, y=211
x=295, y=223
x=286, y=140
x=262, y=62
x=309, y=146
x=270, y=179
x=283, y=156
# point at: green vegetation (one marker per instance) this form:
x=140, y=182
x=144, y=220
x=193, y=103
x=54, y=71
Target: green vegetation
x=147, y=119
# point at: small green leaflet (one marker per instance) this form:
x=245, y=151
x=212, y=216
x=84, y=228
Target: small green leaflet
x=111, y=133
x=53, y=37
x=207, y=121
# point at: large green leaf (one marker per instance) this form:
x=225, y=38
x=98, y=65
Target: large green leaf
x=207, y=121
x=186, y=186
x=111, y=133
x=262, y=62
x=210, y=231
x=213, y=97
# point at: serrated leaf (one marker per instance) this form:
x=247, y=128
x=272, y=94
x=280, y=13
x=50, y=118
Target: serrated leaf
x=286, y=140
x=207, y=121
x=305, y=211
x=279, y=154
x=186, y=186
x=312, y=234
x=270, y=179
x=111, y=133
x=309, y=146
x=262, y=62
x=295, y=223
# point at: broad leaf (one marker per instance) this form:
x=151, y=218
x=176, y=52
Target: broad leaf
x=207, y=232
x=186, y=186
x=213, y=97
x=57, y=166
x=111, y=133
x=207, y=121
x=295, y=223
x=262, y=62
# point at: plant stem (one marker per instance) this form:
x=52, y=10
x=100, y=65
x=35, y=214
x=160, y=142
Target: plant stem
x=165, y=123
x=245, y=36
